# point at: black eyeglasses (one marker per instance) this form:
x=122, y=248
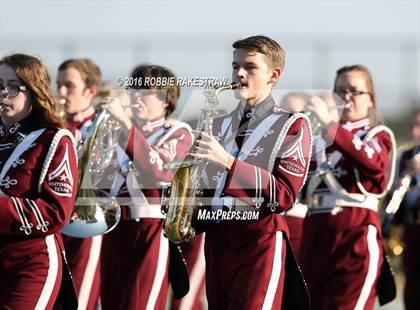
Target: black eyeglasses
x=12, y=90
x=352, y=93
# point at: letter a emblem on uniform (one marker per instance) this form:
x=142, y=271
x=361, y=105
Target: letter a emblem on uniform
x=61, y=180
x=292, y=160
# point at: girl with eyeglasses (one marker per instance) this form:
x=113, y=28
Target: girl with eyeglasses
x=342, y=243
x=38, y=178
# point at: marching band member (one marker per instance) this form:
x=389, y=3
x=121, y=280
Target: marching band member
x=342, y=251
x=258, y=156
x=78, y=81
x=38, y=180
x=409, y=215
x=135, y=254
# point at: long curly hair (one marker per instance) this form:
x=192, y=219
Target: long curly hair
x=34, y=75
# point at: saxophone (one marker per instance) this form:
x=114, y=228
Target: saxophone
x=96, y=212
x=179, y=199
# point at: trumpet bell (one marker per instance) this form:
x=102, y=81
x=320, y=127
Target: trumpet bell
x=93, y=216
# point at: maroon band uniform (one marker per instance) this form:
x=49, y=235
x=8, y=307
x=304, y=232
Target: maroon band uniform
x=342, y=250
x=245, y=259
x=135, y=255
x=83, y=254
x=38, y=182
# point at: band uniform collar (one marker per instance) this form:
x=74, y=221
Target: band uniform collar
x=151, y=125
x=360, y=124
x=81, y=116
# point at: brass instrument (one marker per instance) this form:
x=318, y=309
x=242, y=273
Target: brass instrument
x=316, y=124
x=59, y=106
x=179, y=200
x=2, y=107
x=96, y=211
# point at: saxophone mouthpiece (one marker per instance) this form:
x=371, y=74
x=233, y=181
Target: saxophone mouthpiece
x=231, y=86
x=235, y=85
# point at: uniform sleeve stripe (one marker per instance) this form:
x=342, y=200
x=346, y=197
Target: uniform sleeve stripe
x=26, y=226
x=274, y=188
x=18, y=210
x=43, y=225
x=37, y=215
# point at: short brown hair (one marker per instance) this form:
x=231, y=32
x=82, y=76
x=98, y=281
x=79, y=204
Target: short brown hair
x=171, y=92
x=264, y=45
x=89, y=71
x=34, y=75
x=368, y=78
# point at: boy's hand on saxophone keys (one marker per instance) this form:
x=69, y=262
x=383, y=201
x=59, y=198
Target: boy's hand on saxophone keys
x=208, y=148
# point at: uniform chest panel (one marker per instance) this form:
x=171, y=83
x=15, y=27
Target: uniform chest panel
x=23, y=174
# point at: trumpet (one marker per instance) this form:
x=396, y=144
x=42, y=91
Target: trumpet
x=316, y=123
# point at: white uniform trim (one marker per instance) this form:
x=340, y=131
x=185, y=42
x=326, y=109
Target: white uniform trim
x=372, y=133
x=174, y=126
x=160, y=272
x=196, y=278
x=90, y=271
x=51, y=279
x=246, y=148
x=373, y=249
x=275, y=273
x=282, y=136
x=23, y=146
x=42, y=224
x=51, y=152
x=298, y=210
x=26, y=226
x=146, y=211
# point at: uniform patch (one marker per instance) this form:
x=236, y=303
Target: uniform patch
x=293, y=161
x=61, y=179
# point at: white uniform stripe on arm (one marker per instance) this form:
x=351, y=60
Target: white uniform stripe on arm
x=37, y=212
x=51, y=279
x=90, y=271
x=197, y=277
x=160, y=272
x=373, y=248
x=275, y=273
x=25, y=219
x=18, y=210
